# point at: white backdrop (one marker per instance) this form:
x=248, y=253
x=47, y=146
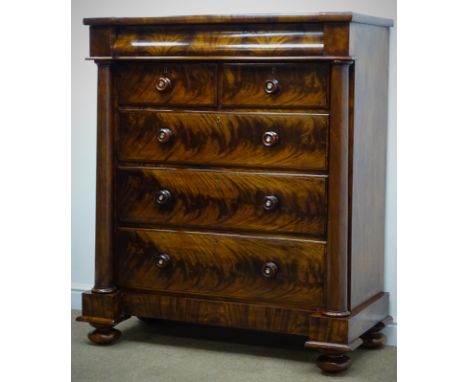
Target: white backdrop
x=83, y=121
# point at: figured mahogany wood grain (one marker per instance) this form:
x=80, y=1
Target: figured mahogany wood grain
x=228, y=40
x=193, y=84
x=223, y=200
x=226, y=139
x=102, y=305
x=218, y=313
x=326, y=236
x=228, y=266
x=300, y=85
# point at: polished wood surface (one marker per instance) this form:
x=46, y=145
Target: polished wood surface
x=337, y=244
x=227, y=266
x=190, y=84
x=342, y=333
x=210, y=40
x=373, y=338
x=333, y=362
x=241, y=175
x=272, y=318
x=104, y=334
x=223, y=200
x=226, y=139
x=299, y=85
x=104, y=275
x=334, y=17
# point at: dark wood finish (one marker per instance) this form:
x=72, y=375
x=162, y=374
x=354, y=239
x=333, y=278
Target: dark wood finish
x=336, y=40
x=298, y=85
x=337, y=249
x=323, y=332
x=373, y=339
x=228, y=266
x=102, y=311
x=101, y=305
x=335, y=347
x=342, y=333
x=241, y=176
x=216, y=312
x=104, y=275
x=101, y=40
x=211, y=40
x=343, y=17
x=104, y=334
x=226, y=59
x=333, y=362
x=223, y=200
x=368, y=162
x=193, y=84
x=225, y=139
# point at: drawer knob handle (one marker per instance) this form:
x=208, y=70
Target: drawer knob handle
x=163, y=260
x=163, y=197
x=163, y=84
x=269, y=269
x=271, y=86
x=270, y=138
x=270, y=202
x=164, y=135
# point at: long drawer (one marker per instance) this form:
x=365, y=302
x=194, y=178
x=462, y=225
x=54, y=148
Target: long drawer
x=290, y=141
x=270, y=202
x=270, y=270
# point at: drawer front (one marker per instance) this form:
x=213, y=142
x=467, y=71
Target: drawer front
x=250, y=140
x=167, y=84
x=228, y=266
x=280, y=85
x=223, y=200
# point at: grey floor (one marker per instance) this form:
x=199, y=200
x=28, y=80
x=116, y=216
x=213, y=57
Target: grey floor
x=186, y=353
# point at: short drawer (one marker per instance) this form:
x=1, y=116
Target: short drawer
x=167, y=84
x=252, y=268
x=275, y=85
x=289, y=141
x=223, y=200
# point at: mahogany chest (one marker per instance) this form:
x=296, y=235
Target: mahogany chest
x=241, y=175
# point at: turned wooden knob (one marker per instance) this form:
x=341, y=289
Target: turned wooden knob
x=270, y=202
x=164, y=135
x=163, y=84
x=271, y=86
x=163, y=260
x=163, y=197
x=270, y=138
x=269, y=269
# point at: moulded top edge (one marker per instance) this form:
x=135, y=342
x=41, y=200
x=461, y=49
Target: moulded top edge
x=240, y=19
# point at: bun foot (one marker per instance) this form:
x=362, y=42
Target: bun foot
x=333, y=362
x=104, y=335
x=373, y=339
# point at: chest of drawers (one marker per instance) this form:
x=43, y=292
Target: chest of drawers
x=241, y=176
